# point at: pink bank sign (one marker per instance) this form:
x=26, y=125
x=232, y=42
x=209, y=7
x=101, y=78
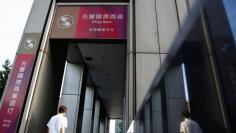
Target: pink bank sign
x=102, y=22
x=16, y=91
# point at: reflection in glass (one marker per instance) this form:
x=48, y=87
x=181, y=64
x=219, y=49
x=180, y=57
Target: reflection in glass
x=185, y=83
x=231, y=14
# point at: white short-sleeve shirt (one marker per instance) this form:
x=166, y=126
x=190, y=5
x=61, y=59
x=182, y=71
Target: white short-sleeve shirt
x=56, y=122
x=189, y=126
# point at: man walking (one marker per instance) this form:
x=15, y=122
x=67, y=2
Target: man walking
x=58, y=123
x=188, y=125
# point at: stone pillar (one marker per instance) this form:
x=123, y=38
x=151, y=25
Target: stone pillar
x=156, y=112
x=88, y=110
x=175, y=97
x=147, y=120
x=102, y=125
x=140, y=126
x=107, y=122
x=71, y=92
x=96, y=116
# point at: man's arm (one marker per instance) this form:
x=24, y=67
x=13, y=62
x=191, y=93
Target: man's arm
x=182, y=128
x=63, y=125
x=48, y=130
x=62, y=130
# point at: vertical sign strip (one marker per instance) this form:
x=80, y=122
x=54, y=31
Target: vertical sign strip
x=16, y=92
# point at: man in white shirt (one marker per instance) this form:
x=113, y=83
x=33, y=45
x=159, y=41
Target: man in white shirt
x=58, y=123
x=188, y=125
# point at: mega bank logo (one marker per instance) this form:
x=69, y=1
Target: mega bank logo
x=65, y=21
x=29, y=43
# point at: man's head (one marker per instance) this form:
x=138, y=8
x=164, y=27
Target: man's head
x=185, y=114
x=62, y=109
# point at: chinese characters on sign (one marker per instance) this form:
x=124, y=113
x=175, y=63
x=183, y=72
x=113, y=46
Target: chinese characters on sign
x=103, y=16
x=102, y=19
x=90, y=22
x=16, y=92
x=102, y=22
x=16, y=89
